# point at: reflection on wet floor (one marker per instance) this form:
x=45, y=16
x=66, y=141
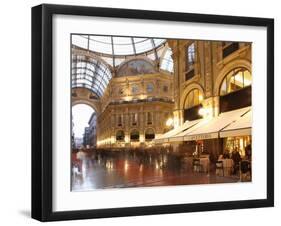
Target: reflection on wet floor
x=123, y=169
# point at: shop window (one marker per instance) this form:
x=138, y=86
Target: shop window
x=149, y=134
x=239, y=143
x=134, y=135
x=120, y=135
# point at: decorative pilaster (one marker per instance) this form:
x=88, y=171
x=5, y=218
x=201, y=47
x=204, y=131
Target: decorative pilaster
x=208, y=69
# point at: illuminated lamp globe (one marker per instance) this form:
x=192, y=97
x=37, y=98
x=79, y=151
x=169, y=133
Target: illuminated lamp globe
x=202, y=111
x=169, y=122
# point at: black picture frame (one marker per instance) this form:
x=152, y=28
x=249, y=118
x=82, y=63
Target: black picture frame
x=42, y=108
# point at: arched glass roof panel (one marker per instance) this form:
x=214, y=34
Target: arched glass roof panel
x=123, y=46
x=144, y=45
x=80, y=40
x=158, y=41
x=167, y=63
x=90, y=73
x=100, y=44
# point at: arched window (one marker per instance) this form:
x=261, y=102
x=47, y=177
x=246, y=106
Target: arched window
x=149, y=134
x=236, y=79
x=120, y=136
x=193, y=98
x=135, y=135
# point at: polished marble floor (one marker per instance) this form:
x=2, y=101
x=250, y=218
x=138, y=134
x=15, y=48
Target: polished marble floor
x=120, y=169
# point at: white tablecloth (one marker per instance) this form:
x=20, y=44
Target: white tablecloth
x=227, y=166
x=205, y=162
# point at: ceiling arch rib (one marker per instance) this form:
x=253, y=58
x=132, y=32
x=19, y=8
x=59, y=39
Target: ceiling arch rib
x=90, y=73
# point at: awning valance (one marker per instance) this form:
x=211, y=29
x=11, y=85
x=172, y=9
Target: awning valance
x=211, y=129
x=166, y=136
x=231, y=123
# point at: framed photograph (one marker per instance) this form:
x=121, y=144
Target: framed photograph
x=147, y=112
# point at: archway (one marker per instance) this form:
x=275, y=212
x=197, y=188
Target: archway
x=135, y=135
x=120, y=135
x=84, y=120
x=149, y=134
x=85, y=96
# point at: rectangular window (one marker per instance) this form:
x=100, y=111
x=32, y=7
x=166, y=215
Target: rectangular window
x=190, y=61
x=134, y=119
x=149, y=118
x=228, y=48
x=190, y=56
x=119, y=120
x=190, y=74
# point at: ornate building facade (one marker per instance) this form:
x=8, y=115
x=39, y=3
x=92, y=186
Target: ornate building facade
x=210, y=77
x=136, y=111
x=201, y=67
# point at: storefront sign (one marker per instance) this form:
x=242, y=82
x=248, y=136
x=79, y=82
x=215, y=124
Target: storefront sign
x=201, y=136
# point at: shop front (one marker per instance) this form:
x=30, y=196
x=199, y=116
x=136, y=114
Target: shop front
x=227, y=132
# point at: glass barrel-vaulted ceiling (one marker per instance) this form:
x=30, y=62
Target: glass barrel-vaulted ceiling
x=90, y=73
x=167, y=63
x=114, y=49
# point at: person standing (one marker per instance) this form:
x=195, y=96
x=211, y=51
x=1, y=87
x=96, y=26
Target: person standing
x=236, y=160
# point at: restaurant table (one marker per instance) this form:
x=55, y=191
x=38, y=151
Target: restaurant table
x=205, y=162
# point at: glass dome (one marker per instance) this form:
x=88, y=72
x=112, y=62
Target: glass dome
x=115, y=49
